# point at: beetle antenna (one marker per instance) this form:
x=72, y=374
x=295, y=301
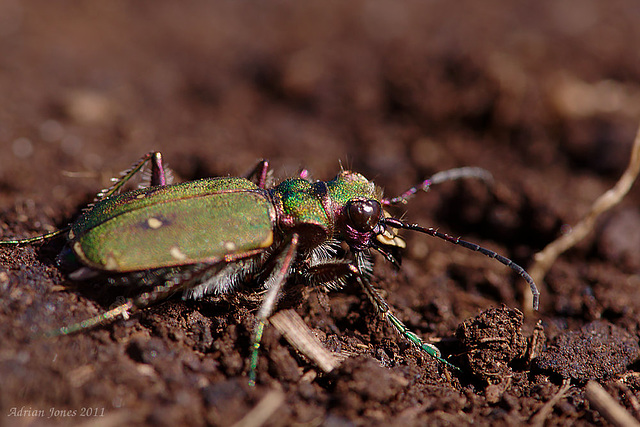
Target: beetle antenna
x=440, y=177
x=392, y=222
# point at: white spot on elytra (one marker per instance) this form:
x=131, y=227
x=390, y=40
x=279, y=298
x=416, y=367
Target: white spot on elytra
x=111, y=263
x=229, y=246
x=154, y=223
x=177, y=253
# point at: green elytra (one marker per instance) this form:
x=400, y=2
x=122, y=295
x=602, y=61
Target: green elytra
x=207, y=236
x=182, y=224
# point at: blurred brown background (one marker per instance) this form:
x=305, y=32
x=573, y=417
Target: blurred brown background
x=545, y=95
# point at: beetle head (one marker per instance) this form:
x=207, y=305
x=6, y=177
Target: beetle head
x=365, y=228
x=361, y=222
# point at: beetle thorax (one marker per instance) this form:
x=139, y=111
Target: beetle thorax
x=320, y=211
x=304, y=208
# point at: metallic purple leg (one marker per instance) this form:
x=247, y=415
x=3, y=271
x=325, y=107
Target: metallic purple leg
x=260, y=172
x=157, y=170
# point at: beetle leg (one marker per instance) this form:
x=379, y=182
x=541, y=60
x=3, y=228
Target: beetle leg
x=158, y=173
x=260, y=173
x=101, y=319
x=344, y=269
x=159, y=293
x=332, y=274
x=274, y=284
x=440, y=177
x=40, y=238
x=383, y=309
x=154, y=156
x=158, y=177
x=304, y=174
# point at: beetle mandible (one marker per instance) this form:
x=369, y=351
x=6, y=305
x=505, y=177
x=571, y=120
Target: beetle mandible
x=208, y=236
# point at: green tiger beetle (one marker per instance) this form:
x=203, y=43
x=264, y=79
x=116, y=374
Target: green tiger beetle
x=211, y=235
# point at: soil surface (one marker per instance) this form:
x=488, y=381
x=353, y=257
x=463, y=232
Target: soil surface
x=545, y=95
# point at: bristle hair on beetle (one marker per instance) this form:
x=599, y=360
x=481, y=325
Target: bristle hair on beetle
x=212, y=235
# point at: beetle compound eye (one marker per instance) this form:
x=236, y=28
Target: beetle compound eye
x=364, y=214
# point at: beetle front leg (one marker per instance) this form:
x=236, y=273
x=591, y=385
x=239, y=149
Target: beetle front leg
x=383, y=308
x=345, y=269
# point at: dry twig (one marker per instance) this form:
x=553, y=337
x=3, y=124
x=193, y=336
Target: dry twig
x=263, y=410
x=543, y=413
x=293, y=328
x=545, y=258
x=607, y=406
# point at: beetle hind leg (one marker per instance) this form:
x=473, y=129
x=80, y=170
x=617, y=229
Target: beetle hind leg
x=159, y=175
x=168, y=283
x=39, y=238
x=101, y=319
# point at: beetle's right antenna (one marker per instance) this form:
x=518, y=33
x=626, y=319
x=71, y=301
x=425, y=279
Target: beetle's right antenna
x=396, y=223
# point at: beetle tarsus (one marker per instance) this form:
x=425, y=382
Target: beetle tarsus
x=35, y=239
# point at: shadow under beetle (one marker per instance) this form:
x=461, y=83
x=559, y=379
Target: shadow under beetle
x=208, y=236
